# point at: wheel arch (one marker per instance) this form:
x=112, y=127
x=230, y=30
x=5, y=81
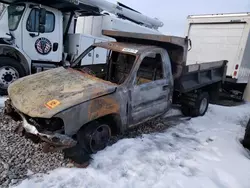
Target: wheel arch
x=13, y=52
x=113, y=120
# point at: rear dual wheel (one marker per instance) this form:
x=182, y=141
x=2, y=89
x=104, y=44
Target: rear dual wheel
x=200, y=107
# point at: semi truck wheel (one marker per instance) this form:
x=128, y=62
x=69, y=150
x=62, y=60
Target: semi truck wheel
x=246, y=140
x=10, y=70
x=94, y=137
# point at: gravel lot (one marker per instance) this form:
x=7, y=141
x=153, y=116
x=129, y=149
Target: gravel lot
x=21, y=158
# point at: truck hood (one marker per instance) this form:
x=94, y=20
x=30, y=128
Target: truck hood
x=48, y=93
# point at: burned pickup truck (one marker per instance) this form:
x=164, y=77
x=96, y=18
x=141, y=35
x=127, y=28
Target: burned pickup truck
x=143, y=76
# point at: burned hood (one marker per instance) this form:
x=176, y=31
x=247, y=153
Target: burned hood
x=50, y=92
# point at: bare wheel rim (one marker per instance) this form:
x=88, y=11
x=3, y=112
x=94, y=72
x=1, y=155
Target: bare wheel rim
x=203, y=105
x=100, y=138
x=8, y=75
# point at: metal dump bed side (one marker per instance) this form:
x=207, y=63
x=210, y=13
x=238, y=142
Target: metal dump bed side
x=200, y=75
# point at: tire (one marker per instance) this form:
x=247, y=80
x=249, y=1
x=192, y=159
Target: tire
x=246, y=140
x=185, y=110
x=10, y=70
x=94, y=137
x=201, y=105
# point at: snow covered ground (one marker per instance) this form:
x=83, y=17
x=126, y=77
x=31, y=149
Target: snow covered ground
x=203, y=152
x=2, y=99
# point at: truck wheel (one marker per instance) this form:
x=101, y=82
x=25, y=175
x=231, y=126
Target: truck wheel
x=94, y=137
x=10, y=70
x=201, y=105
x=185, y=110
x=246, y=140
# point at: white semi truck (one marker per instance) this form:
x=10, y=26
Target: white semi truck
x=39, y=35
x=222, y=36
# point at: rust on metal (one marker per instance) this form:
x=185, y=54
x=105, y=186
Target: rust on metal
x=126, y=48
x=67, y=86
x=102, y=106
x=137, y=37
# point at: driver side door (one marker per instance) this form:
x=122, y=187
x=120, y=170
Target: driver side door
x=151, y=91
x=45, y=46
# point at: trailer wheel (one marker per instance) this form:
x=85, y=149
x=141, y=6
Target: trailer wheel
x=94, y=137
x=201, y=105
x=246, y=140
x=10, y=71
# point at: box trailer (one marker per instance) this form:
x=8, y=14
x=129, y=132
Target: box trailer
x=222, y=36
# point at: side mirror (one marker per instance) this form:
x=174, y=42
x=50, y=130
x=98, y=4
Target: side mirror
x=41, y=28
x=42, y=16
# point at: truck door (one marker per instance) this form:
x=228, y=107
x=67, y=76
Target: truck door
x=45, y=46
x=151, y=90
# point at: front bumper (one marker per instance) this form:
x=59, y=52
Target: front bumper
x=52, y=138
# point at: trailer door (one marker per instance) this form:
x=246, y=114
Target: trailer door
x=216, y=41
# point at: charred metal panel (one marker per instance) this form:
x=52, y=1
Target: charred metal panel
x=126, y=48
x=76, y=117
x=148, y=100
x=48, y=93
x=153, y=97
x=138, y=38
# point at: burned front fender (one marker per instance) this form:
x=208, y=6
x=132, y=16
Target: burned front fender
x=77, y=116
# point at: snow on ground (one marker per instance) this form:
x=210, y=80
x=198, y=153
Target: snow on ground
x=2, y=100
x=204, y=152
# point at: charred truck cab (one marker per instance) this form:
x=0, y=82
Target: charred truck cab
x=143, y=76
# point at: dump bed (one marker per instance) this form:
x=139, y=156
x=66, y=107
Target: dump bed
x=186, y=77
x=199, y=75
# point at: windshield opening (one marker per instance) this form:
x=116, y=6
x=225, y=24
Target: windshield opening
x=115, y=70
x=15, y=13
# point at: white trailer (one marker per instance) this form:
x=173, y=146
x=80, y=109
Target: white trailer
x=39, y=35
x=222, y=36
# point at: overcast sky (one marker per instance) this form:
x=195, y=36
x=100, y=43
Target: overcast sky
x=173, y=13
